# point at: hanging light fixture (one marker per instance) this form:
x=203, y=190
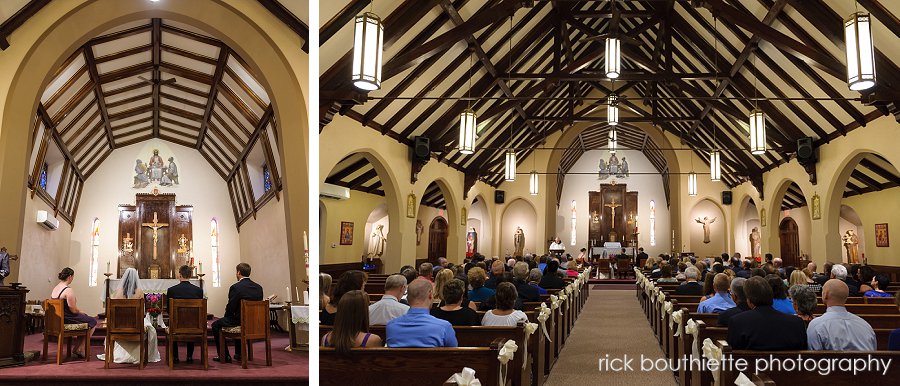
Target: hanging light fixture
x=692, y=183
x=757, y=124
x=613, y=57
x=468, y=121
x=860, y=51
x=534, y=183
x=368, y=44
x=715, y=166
x=510, y=165
x=612, y=110
x=715, y=157
x=613, y=140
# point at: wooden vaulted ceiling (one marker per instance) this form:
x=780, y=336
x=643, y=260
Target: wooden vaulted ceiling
x=357, y=173
x=872, y=174
x=686, y=74
x=155, y=79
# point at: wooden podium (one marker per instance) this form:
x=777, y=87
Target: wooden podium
x=12, y=325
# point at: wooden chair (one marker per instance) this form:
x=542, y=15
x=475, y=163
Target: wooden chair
x=125, y=322
x=254, y=327
x=54, y=325
x=187, y=323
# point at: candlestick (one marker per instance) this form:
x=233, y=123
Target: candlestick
x=297, y=289
x=287, y=290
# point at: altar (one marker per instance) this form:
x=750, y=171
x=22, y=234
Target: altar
x=155, y=236
x=150, y=285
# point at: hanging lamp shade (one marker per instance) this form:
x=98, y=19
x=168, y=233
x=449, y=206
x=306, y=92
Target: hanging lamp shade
x=692, y=184
x=613, y=140
x=368, y=43
x=757, y=132
x=510, y=165
x=613, y=58
x=715, y=165
x=468, y=120
x=860, y=51
x=612, y=112
x=533, y=183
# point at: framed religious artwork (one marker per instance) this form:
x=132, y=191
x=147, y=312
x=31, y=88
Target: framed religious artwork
x=881, y=235
x=411, y=206
x=816, y=207
x=346, y=233
x=762, y=217
x=464, y=217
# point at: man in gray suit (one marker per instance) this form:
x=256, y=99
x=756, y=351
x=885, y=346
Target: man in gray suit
x=4, y=264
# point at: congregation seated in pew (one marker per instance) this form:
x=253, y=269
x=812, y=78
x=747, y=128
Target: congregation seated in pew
x=71, y=313
x=721, y=300
x=351, y=325
x=763, y=327
x=804, y=301
x=690, y=285
x=349, y=281
x=504, y=313
x=739, y=298
x=130, y=351
x=418, y=328
x=479, y=292
x=452, y=309
x=389, y=306
x=838, y=329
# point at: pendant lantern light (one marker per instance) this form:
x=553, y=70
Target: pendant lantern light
x=860, y=51
x=715, y=156
x=757, y=124
x=510, y=165
x=612, y=110
x=468, y=121
x=533, y=185
x=692, y=184
x=613, y=57
x=715, y=165
x=613, y=140
x=368, y=44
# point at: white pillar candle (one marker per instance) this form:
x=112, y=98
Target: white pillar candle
x=200, y=268
x=297, y=289
x=306, y=298
x=305, y=242
x=287, y=290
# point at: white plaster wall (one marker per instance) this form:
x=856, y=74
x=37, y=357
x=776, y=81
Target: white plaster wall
x=648, y=186
x=478, y=219
x=263, y=243
x=42, y=251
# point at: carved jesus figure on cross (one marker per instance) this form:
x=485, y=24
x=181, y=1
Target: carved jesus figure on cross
x=612, y=206
x=155, y=225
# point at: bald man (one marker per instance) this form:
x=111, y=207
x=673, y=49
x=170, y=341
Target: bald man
x=838, y=329
x=418, y=328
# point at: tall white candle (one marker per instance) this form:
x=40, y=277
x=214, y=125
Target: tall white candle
x=297, y=289
x=305, y=242
x=287, y=291
x=200, y=270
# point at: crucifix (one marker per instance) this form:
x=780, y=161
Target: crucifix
x=612, y=206
x=155, y=225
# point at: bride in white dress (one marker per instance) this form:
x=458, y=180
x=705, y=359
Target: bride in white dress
x=129, y=352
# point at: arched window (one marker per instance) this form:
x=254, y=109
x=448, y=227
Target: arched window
x=652, y=223
x=573, y=223
x=267, y=178
x=95, y=251
x=214, y=251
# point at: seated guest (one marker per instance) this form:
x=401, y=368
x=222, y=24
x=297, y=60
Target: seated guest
x=572, y=270
x=526, y=292
x=244, y=289
x=865, y=275
x=443, y=276
x=491, y=302
x=740, y=301
x=878, y=284
x=452, y=310
x=745, y=271
x=497, y=269
x=894, y=338
x=666, y=274
x=351, y=325
x=719, y=302
x=71, y=313
x=324, y=289
x=780, y=299
x=504, y=314
x=763, y=327
x=839, y=272
x=777, y=264
x=825, y=275
x=479, y=292
x=853, y=277
x=838, y=329
x=534, y=277
x=708, y=289
x=682, y=266
x=130, y=352
x=186, y=290
x=418, y=328
x=389, y=307
x=542, y=264
x=349, y=281
x=811, y=282
x=426, y=271
x=804, y=301
x=690, y=285
x=551, y=280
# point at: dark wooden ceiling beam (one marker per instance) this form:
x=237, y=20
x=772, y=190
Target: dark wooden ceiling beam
x=123, y=54
x=17, y=19
x=880, y=171
x=290, y=20
x=365, y=177
x=662, y=76
x=156, y=42
x=347, y=170
x=345, y=16
x=862, y=177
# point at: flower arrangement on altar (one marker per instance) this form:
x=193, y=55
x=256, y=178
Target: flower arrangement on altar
x=154, y=304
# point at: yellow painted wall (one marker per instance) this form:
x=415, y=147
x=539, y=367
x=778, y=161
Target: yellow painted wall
x=874, y=208
x=355, y=210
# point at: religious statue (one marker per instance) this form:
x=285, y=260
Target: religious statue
x=595, y=217
x=5, y=258
x=705, y=221
x=471, y=242
x=613, y=165
x=419, y=229
x=141, y=180
x=755, y=245
x=376, y=243
x=155, y=225
x=172, y=171
x=127, y=244
x=156, y=166
x=851, y=243
x=519, y=242
x=604, y=170
x=182, y=244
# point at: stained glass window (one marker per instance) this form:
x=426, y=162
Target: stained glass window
x=214, y=244
x=267, y=178
x=573, y=223
x=652, y=223
x=43, y=180
x=95, y=253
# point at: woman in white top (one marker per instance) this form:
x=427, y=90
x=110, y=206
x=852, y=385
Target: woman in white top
x=129, y=352
x=504, y=314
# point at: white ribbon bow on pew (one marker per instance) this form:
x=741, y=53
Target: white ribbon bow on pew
x=530, y=328
x=676, y=318
x=661, y=295
x=507, y=353
x=465, y=378
x=713, y=354
x=743, y=380
x=691, y=328
x=543, y=315
x=667, y=309
x=554, y=302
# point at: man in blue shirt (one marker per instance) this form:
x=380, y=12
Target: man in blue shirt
x=418, y=328
x=838, y=329
x=721, y=301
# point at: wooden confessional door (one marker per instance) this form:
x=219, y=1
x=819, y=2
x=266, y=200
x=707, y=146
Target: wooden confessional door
x=437, y=239
x=790, y=242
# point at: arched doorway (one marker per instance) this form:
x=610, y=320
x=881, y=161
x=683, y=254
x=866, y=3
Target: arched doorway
x=437, y=239
x=789, y=235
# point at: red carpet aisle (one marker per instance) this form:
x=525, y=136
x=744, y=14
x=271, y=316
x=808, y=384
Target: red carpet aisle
x=287, y=369
x=613, y=323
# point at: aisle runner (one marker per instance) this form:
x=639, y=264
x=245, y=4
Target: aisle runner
x=611, y=323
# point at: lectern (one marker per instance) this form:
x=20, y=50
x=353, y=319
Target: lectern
x=12, y=325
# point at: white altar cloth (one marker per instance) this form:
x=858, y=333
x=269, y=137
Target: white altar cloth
x=149, y=285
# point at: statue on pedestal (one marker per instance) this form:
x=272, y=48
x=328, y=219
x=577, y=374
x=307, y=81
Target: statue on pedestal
x=519, y=242
x=705, y=221
x=851, y=244
x=376, y=243
x=755, y=246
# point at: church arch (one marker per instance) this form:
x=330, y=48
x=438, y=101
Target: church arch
x=437, y=195
x=708, y=209
x=520, y=213
x=790, y=199
x=479, y=218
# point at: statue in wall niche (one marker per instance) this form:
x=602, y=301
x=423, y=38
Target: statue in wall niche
x=851, y=244
x=706, y=221
x=471, y=242
x=376, y=243
x=519, y=242
x=755, y=245
x=419, y=229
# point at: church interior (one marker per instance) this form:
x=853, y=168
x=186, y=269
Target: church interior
x=151, y=135
x=626, y=134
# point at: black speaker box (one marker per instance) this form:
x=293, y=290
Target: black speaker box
x=422, y=149
x=806, y=151
x=726, y=197
x=499, y=196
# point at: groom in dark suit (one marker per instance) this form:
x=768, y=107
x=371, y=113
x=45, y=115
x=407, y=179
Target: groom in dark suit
x=244, y=289
x=184, y=290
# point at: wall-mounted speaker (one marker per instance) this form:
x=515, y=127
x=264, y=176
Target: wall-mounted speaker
x=499, y=196
x=422, y=149
x=726, y=197
x=806, y=151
